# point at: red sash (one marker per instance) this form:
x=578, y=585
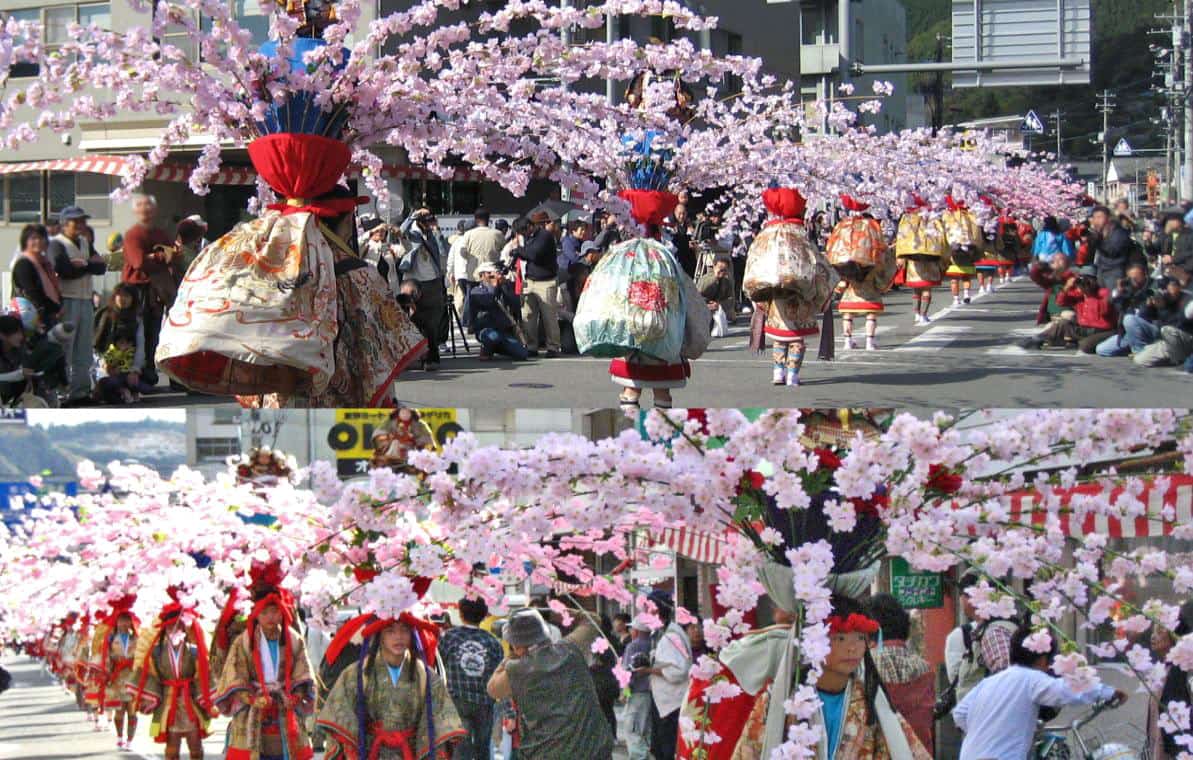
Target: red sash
x=179, y=689
x=393, y=740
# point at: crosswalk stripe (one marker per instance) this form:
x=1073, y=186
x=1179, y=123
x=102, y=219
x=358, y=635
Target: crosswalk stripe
x=935, y=338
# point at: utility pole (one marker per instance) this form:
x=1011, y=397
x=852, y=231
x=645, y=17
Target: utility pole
x=1105, y=106
x=1186, y=183
x=1056, y=115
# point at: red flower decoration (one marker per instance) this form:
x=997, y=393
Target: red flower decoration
x=873, y=505
x=940, y=479
x=647, y=295
x=364, y=573
x=855, y=623
x=828, y=460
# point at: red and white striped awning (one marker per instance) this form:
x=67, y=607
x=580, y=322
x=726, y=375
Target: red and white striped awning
x=697, y=545
x=229, y=175
x=703, y=546
x=1178, y=495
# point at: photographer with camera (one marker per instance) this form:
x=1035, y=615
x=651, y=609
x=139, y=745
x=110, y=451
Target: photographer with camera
x=424, y=263
x=636, y=659
x=1158, y=332
x=1130, y=295
x=491, y=310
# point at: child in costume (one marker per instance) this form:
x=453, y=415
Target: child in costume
x=965, y=240
x=921, y=250
x=172, y=681
x=790, y=282
x=113, y=648
x=859, y=252
x=390, y=704
x=266, y=685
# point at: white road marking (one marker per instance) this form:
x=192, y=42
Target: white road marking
x=935, y=338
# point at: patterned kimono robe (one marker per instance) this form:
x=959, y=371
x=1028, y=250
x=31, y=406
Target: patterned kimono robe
x=170, y=683
x=218, y=655
x=396, y=714
x=278, y=730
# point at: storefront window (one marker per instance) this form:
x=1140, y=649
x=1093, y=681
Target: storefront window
x=24, y=198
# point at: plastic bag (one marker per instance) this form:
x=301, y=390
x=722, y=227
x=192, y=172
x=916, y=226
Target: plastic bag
x=633, y=301
x=784, y=263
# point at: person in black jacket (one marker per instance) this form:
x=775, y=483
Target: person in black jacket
x=33, y=274
x=680, y=232
x=1176, y=244
x=1112, y=247
x=540, y=287
x=491, y=309
x=1130, y=295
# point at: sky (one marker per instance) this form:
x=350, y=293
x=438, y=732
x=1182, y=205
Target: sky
x=66, y=417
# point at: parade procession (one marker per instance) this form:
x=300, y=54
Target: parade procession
x=596, y=380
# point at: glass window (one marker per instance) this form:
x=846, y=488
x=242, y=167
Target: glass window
x=248, y=14
x=177, y=36
x=216, y=449
x=99, y=14
x=23, y=69
x=810, y=27
x=58, y=19
x=225, y=416
x=662, y=28
x=91, y=194
x=24, y=197
x=62, y=191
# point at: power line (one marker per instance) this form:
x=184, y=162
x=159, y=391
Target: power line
x=1105, y=106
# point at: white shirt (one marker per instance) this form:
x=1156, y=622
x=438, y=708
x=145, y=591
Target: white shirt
x=954, y=652
x=999, y=715
x=673, y=655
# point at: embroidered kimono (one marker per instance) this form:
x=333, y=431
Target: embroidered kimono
x=251, y=670
x=922, y=250
x=399, y=726
x=169, y=682
x=855, y=739
x=221, y=644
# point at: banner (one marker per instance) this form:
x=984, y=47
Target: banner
x=351, y=438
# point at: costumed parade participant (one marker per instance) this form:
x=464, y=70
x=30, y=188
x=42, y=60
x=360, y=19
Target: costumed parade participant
x=921, y=250
x=402, y=433
x=266, y=685
x=283, y=306
x=855, y=714
x=789, y=281
x=391, y=703
x=993, y=257
x=639, y=307
x=113, y=648
x=965, y=241
x=172, y=680
x=263, y=466
x=859, y=252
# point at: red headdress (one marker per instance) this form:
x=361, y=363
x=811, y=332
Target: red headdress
x=917, y=203
x=368, y=625
x=853, y=623
x=122, y=606
x=853, y=204
x=302, y=168
x=650, y=207
x=266, y=590
x=785, y=203
x=954, y=204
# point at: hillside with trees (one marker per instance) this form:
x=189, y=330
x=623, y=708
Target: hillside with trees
x=1122, y=63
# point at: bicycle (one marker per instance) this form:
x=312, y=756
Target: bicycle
x=1052, y=743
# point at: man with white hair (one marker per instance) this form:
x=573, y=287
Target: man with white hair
x=148, y=252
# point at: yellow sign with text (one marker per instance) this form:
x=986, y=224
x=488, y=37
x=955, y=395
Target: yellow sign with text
x=352, y=435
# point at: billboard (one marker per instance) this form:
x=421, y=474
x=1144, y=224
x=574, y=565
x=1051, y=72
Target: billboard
x=351, y=438
x=1016, y=35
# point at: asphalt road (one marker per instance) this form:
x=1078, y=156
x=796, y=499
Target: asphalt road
x=967, y=357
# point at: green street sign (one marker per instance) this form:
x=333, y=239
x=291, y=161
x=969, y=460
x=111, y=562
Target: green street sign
x=915, y=589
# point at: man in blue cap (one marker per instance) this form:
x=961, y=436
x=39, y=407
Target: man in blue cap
x=76, y=262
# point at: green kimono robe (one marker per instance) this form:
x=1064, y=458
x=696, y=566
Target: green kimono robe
x=396, y=713
x=170, y=684
x=280, y=728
